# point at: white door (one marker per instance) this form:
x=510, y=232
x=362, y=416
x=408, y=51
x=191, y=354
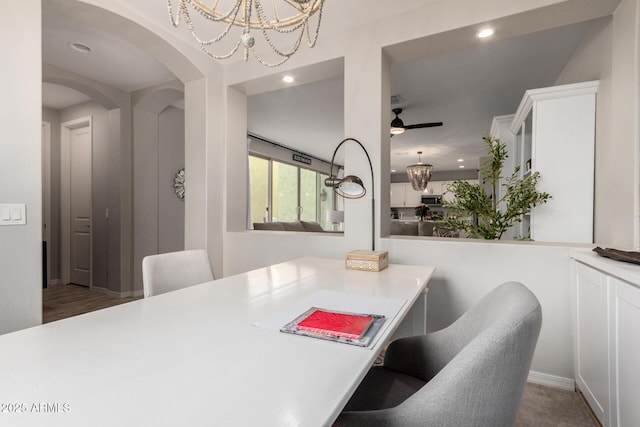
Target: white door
x=80, y=200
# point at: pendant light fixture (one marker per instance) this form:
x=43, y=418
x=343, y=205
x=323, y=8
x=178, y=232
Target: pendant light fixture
x=419, y=174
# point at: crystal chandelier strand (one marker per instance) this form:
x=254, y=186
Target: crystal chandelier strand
x=304, y=18
x=284, y=55
x=304, y=24
x=294, y=4
x=218, y=17
x=202, y=43
x=269, y=41
x=204, y=12
x=251, y=8
x=313, y=7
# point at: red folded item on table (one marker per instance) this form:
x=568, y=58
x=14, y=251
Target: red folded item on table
x=335, y=323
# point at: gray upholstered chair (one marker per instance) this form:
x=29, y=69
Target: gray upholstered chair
x=175, y=270
x=471, y=373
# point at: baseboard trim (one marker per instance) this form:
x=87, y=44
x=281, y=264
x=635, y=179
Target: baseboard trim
x=125, y=294
x=55, y=282
x=552, y=381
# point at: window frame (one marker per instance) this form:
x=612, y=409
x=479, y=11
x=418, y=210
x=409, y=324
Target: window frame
x=319, y=186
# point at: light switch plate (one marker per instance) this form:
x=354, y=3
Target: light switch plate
x=13, y=214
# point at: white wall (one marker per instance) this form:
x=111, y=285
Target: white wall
x=20, y=163
x=465, y=270
x=158, y=153
x=145, y=189
x=170, y=161
x=592, y=61
x=625, y=118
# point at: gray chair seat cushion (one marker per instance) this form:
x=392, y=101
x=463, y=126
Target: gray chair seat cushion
x=383, y=388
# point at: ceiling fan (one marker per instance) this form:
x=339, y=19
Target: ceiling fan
x=398, y=126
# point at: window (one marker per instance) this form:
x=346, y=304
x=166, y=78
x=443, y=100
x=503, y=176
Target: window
x=308, y=195
x=259, y=189
x=283, y=192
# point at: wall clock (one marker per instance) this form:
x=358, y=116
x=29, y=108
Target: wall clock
x=178, y=184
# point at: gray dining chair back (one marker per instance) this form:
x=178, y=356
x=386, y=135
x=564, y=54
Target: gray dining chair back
x=472, y=373
x=175, y=270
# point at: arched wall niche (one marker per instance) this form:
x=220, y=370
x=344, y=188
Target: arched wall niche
x=158, y=155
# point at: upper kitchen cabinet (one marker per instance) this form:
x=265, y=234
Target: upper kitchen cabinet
x=403, y=195
x=554, y=129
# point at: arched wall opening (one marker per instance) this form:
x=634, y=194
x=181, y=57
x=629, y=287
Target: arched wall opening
x=193, y=74
x=106, y=108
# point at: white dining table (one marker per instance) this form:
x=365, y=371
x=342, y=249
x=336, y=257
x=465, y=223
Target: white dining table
x=207, y=355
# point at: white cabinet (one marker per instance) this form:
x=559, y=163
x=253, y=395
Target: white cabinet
x=397, y=195
x=607, y=349
x=625, y=372
x=592, y=338
x=412, y=197
x=403, y=195
x=434, y=187
x=555, y=129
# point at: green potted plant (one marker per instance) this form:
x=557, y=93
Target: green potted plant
x=485, y=215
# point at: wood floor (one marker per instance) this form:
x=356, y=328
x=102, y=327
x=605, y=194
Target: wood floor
x=62, y=301
x=540, y=406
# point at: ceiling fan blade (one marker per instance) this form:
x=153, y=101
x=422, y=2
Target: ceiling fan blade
x=423, y=125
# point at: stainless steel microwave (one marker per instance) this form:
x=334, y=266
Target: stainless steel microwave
x=432, y=200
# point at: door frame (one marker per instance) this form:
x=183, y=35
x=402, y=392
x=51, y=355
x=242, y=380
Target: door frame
x=46, y=194
x=65, y=195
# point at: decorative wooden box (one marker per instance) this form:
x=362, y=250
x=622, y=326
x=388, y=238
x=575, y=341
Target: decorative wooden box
x=366, y=260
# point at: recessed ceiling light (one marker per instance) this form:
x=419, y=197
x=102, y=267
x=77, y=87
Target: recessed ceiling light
x=393, y=170
x=288, y=79
x=461, y=166
x=461, y=160
x=487, y=32
x=80, y=47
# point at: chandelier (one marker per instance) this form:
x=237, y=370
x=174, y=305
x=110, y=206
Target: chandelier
x=250, y=15
x=419, y=174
